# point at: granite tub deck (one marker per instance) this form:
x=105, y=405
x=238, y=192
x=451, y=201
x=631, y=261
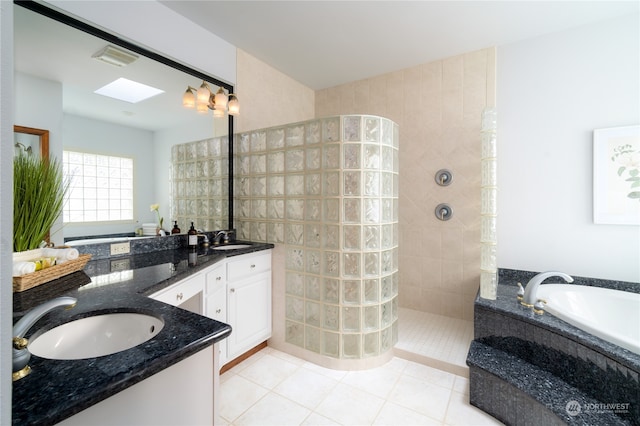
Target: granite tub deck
x=527, y=369
x=56, y=390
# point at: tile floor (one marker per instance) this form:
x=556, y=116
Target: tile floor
x=274, y=388
x=434, y=340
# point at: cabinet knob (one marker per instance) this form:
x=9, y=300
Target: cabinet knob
x=218, y=310
x=253, y=266
x=218, y=278
x=232, y=290
x=179, y=296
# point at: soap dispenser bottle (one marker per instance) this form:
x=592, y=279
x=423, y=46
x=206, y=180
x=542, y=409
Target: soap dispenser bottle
x=192, y=238
x=175, y=229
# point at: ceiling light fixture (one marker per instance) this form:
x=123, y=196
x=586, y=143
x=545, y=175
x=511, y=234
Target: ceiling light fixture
x=203, y=99
x=115, y=56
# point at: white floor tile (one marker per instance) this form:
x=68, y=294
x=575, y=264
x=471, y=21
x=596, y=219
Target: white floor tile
x=461, y=413
x=333, y=374
x=378, y=381
x=396, y=415
x=237, y=395
x=273, y=409
x=350, y=406
x=424, y=397
x=461, y=385
x=269, y=371
x=306, y=387
x=272, y=387
x=430, y=374
x=316, y=419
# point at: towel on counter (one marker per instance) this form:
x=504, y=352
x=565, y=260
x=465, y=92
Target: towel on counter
x=23, y=268
x=62, y=254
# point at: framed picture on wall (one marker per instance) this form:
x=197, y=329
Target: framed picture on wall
x=616, y=175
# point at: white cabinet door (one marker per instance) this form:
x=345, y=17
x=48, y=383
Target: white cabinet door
x=193, y=395
x=249, y=313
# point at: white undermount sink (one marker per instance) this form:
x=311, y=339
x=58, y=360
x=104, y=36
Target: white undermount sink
x=96, y=336
x=231, y=246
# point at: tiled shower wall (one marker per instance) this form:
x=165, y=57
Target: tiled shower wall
x=326, y=192
x=438, y=106
x=200, y=184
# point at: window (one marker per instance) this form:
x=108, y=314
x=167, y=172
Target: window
x=100, y=188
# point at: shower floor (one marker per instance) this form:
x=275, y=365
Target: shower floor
x=434, y=340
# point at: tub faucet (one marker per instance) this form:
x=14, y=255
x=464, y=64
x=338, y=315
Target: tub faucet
x=21, y=354
x=531, y=290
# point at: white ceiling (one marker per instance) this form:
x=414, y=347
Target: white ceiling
x=325, y=43
x=319, y=43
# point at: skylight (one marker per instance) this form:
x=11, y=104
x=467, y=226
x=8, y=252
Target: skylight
x=128, y=91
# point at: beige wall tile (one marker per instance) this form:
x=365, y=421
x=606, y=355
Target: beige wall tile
x=268, y=97
x=438, y=108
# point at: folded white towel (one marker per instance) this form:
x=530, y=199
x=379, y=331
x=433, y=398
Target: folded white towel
x=23, y=268
x=62, y=255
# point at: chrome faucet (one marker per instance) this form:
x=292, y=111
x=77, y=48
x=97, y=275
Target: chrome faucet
x=224, y=235
x=21, y=354
x=531, y=290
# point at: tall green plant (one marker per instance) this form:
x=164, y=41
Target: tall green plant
x=38, y=198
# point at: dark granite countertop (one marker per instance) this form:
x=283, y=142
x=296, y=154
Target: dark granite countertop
x=55, y=390
x=507, y=303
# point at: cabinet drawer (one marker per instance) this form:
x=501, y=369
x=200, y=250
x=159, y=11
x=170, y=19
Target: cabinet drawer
x=248, y=265
x=180, y=292
x=216, y=279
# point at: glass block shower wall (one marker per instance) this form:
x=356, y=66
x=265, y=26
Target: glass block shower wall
x=327, y=190
x=200, y=184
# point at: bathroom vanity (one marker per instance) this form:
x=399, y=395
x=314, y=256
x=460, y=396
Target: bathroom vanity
x=200, y=300
x=236, y=291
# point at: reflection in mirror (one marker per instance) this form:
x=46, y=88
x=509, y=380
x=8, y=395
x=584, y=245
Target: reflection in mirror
x=145, y=131
x=30, y=140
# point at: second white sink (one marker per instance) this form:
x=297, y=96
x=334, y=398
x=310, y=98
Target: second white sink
x=96, y=336
x=231, y=246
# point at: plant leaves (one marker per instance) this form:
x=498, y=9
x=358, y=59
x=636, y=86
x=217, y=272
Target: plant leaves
x=635, y=194
x=621, y=170
x=38, y=198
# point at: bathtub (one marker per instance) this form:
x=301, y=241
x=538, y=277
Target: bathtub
x=611, y=315
x=73, y=243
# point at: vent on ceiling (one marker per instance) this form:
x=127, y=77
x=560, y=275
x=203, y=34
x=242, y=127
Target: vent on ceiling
x=115, y=56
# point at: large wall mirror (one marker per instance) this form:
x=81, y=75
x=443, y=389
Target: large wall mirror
x=56, y=67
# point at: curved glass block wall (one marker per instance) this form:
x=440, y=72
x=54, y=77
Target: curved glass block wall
x=327, y=190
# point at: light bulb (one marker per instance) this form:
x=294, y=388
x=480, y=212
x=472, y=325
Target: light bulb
x=204, y=93
x=189, y=99
x=234, y=105
x=202, y=108
x=221, y=100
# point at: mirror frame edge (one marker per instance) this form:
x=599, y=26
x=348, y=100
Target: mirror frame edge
x=41, y=133
x=111, y=38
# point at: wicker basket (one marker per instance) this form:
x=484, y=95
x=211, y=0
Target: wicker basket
x=27, y=281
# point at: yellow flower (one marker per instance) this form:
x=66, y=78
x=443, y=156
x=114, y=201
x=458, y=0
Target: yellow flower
x=156, y=208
